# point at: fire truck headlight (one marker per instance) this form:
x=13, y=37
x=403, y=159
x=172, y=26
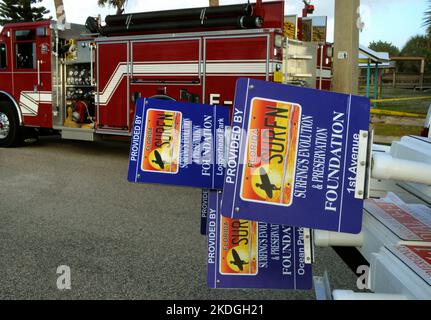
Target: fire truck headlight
x=278, y=41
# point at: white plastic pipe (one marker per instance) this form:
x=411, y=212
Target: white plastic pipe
x=350, y=295
x=386, y=167
x=428, y=121
x=325, y=239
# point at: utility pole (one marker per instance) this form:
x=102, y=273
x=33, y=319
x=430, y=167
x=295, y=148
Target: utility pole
x=346, y=46
x=214, y=3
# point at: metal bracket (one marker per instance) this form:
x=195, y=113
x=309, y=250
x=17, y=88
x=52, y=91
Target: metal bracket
x=308, y=246
x=322, y=288
x=363, y=163
x=369, y=164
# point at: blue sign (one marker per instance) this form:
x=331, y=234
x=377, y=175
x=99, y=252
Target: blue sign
x=292, y=157
x=178, y=143
x=248, y=254
x=204, y=210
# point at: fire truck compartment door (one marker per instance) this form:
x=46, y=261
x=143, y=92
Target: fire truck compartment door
x=229, y=57
x=32, y=75
x=112, y=85
x=169, y=68
x=166, y=61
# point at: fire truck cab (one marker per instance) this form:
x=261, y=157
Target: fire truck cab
x=85, y=84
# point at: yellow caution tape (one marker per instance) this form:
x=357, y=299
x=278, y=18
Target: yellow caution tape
x=400, y=99
x=397, y=113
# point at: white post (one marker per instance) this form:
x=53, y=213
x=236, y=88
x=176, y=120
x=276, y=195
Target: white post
x=387, y=167
x=350, y=295
x=428, y=122
x=325, y=239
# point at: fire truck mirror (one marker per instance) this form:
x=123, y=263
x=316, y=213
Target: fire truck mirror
x=3, y=60
x=41, y=32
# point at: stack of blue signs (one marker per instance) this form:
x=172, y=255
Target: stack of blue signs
x=289, y=163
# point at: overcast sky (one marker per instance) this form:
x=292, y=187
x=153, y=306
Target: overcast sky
x=390, y=20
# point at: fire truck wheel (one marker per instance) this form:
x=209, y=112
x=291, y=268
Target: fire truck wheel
x=10, y=131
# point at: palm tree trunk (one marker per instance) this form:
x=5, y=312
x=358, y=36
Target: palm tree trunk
x=59, y=10
x=120, y=4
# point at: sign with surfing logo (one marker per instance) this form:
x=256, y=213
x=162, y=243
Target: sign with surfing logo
x=178, y=143
x=162, y=141
x=250, y=254
x=293, y=157
x=270, y=157
x=238, y=246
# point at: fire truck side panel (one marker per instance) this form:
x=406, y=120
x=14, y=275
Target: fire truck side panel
x=170, y=68
x=229, y=58
x=26, y=73
x=31, y=73
x=197, y=68
x=6, y=70
x=44, y=59
x=112, y=83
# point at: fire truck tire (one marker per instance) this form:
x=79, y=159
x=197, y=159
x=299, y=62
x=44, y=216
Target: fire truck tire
x=10, y=130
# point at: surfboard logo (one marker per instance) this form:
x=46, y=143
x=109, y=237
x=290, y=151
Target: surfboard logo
x=161, y=152
x=238, y=247
x=269, y=164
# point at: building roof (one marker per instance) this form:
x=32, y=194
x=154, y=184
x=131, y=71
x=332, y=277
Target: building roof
x=367, y=55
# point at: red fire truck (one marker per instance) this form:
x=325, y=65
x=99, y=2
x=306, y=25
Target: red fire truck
x=83, y=81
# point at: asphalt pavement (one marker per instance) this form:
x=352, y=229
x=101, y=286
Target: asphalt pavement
x=69, y=203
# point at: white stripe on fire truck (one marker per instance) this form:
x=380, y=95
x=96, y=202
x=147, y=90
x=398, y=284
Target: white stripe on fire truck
x=29, y=101
x=182, y=69
x=26, y=110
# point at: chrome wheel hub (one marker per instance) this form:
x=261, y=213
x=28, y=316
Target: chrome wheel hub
x=4, y=126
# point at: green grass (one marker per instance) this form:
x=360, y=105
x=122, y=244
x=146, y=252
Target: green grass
x=414, y=106
x=395, y=131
